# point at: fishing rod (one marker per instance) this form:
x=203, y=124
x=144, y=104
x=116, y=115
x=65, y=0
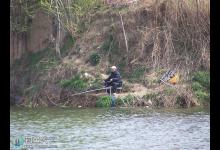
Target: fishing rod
x=105, y=88
x=88, y=91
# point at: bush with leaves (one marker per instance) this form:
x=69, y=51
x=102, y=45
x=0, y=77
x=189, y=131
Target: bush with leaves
x=127, y=100
x=104, y=101
x=201, y=84
x=75, y=83
x=94, y=58
x=203, y=78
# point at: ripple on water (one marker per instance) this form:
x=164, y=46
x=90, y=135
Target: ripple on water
x=115, y=128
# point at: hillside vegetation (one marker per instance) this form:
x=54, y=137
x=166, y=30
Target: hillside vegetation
x=161, y=35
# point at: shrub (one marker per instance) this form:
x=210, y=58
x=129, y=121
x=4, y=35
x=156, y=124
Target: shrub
x=97, y=83
x=202, y=95
x=119, y=101
x=196, y=86
x=104, y=101
x=94, y=58
x=201, y=84
x=128, y=100
x=203, y=78
x=75, y=83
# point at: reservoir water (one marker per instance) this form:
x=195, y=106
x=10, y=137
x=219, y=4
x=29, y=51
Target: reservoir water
x=109, y=128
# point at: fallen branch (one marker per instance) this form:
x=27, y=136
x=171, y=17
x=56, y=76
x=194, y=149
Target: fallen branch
x=52, y=102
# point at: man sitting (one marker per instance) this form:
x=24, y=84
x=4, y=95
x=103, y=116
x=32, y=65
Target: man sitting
x=114, y=80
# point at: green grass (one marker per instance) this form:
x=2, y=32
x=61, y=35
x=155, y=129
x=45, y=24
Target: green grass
x=104, y=101
x=41, y=60
x=202, y=95
x=128, y=100
x=69, y=42
x=203, y=78
x=97, y=83
x=196, y=86
x=201, y=85
x=119, y=102
x=34, y=58
x=75, y=83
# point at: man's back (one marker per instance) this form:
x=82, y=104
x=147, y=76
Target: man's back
x=115, y=76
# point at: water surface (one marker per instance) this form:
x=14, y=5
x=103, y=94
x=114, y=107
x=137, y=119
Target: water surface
x=110, y=128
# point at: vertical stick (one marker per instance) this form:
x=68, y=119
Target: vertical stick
x=197, y=6
x=126, y=42
x=58, y=35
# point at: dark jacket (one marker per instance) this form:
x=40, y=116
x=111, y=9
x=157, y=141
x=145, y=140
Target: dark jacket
x=115, y=76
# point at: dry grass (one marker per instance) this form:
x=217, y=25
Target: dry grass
x=179, y=33
x=163, y=34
